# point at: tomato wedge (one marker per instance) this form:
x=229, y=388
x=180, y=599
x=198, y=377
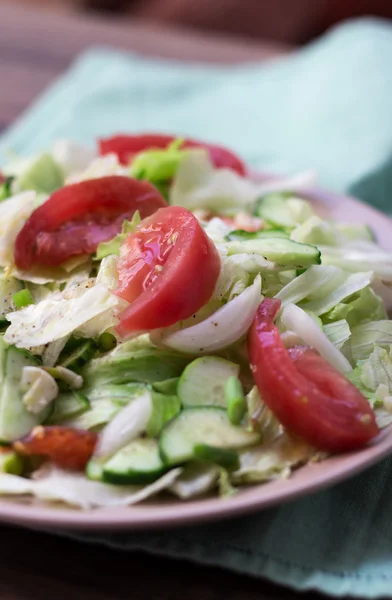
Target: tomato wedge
x=126, y=146
x=76, y=218
x=308, y=395
x=168, y=269
x=66, y=447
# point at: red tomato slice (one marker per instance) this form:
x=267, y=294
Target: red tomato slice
x=76, y=218
x=125, y=146
x=308, y=395
x=168, y=269
x=66, y=447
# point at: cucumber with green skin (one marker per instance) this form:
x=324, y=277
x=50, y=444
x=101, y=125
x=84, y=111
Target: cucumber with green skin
x=208, y=425
x=285, y=253
x=203, y=381
x=240, y=234
x=15, y=420
x=139, y=462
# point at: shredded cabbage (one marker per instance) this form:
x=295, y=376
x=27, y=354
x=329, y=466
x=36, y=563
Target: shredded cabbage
x=58, y=315
x=56, y=485
x=13, y=214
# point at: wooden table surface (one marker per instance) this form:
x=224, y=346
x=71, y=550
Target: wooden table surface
x=34, y=49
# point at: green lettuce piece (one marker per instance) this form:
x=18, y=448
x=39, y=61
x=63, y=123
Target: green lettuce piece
x=320, y=231
x=159, y=165
x=373, y=377
x=323, y=303
x=283, y=210
x=233, y=279
x=104, y=402
x=146, y=365
x=362, y=306
x=113, y=246
x=316, y=282
x=274, y=459
x=377, y=369
x=164, y=408
x=41, y=174
x=365, y=337
x=356, y=258
x=338, y=332
x=195, y=480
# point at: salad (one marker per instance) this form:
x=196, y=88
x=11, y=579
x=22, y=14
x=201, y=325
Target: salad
x=170, y=323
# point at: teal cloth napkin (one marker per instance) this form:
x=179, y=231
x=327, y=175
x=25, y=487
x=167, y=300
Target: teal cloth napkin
x=326, y=108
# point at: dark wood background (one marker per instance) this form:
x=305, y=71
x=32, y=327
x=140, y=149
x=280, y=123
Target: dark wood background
x=35, y=48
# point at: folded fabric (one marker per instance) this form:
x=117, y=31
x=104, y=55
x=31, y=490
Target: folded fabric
x=327, y=108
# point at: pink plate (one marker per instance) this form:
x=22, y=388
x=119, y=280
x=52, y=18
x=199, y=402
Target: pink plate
x=168, y=512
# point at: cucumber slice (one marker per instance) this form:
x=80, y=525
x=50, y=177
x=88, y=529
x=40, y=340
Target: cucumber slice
x=207, y=425
x=137, y=463
x=203, y=381
x=80, y=356
x=240, y=234
x=15, y=420
x=94, y=470
x=284, y=252
x=169, y=386
x=68, y=406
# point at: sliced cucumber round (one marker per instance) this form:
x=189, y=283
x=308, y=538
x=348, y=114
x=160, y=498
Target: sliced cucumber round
x=139, y=462
x=240, y=234
x=207, y=425
x=203, y=381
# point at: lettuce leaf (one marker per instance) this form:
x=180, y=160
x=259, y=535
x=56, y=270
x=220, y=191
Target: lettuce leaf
x=113, y=246
x=365, y=336
x=338, y=332
x=373, y=377
x=195, y=480
x=54, y=485
x=59, y=314
x=159, y=165
x=316, y=282
x=13, y=214
x=319, y=231
x=274, y=460
x=357, y=258
x=198, y=185
x=41, y=174
x=323, y=303
x=361, y=307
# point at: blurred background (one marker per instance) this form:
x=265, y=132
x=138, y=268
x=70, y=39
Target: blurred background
x=289, y=21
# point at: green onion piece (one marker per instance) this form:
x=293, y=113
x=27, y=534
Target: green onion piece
x=235, y=400
x=106, y=342
x=22, y=298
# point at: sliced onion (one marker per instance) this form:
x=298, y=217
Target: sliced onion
x=298, y=321
x=127, y=425
x=222, y=328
